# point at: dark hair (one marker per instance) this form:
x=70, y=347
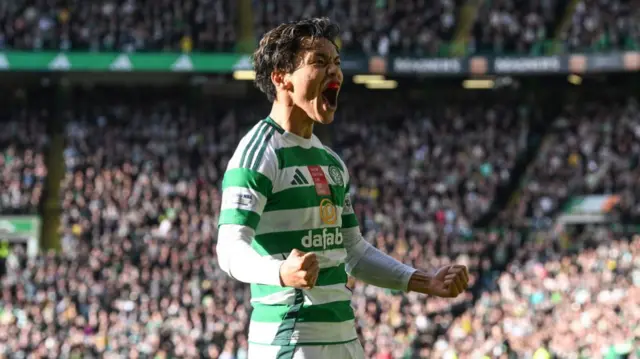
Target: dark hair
x=278, y=48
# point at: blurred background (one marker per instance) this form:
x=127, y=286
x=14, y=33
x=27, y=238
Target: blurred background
x=500, y=134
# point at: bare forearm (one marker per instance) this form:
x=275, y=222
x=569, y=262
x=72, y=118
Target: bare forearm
x=420, y=282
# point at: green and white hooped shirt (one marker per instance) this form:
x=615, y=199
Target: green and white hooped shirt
x=294, y=193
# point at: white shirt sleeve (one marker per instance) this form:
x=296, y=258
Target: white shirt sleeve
x=367, y=263
x=240, y=261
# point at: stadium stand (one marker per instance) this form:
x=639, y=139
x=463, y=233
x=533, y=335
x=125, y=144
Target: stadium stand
x=599, y=25
x=22, y=169
x=516, y=26
x=415, y=27
x=409, y=27
x=581, y=304
x=117, y=25
x=137, y=273
x=591, y=149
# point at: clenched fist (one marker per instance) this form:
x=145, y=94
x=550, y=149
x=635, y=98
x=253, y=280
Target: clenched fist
x=448, y=282
x=300, y=270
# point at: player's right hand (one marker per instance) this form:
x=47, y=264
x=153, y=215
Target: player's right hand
x=300, y=270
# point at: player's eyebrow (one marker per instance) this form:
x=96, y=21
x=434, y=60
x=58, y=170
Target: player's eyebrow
x=324, y=56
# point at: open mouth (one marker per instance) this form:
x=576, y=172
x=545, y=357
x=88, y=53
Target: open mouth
x=330, y=94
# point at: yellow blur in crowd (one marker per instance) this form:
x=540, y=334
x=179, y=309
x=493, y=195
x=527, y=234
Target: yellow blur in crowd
x=186, y=44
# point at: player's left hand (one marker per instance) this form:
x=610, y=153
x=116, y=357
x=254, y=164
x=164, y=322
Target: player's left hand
x=448, y=282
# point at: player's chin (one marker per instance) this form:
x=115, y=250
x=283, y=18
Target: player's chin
x=325, y=113
x=325, y=118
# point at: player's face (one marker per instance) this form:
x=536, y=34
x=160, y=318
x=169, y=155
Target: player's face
x=317, y=81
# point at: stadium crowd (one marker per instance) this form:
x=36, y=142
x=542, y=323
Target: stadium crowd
x=22, y=168
x=412, y=27
x=118, y=25
x=602, y=24
x=576, y=295
x=382, y=27
x=516, y=25
x=592, y=148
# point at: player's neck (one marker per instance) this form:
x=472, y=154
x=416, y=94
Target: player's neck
x=292, y=119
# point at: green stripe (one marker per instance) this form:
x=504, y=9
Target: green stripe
x=298, y=156
x=296, y=177
x=288, y=318
x=263, y=147
x=327, y=276
x=306, y=344
x=254, y=138
x=333, y=312
x=284, y=242
x=301, y=176
x=302, y=197
x=273, y=124
x=239, y=216
x=251, y=152
x=246, y=178
x=286, y=352
x=259, y=142
x=349, y=221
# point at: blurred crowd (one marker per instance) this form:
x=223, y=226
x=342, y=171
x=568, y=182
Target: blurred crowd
x=575, y=300
x=414, y=27
x=22, y=167
x=603, y=24
x=516, y=25
x=137, y=275
x=118, y=25
x=373, y=27
x=592, y=148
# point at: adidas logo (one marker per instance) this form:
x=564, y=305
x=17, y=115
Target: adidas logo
x=298, y=178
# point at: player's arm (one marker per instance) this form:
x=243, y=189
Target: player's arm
x=367, y=263
x=246, y=186
x=370, y=265
x=244, y=195
x=240, y=261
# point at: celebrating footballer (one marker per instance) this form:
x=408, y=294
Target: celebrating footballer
x=287, y=225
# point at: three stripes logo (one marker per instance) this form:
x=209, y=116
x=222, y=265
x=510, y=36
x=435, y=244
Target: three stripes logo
x=298, y=178
x=254, y=152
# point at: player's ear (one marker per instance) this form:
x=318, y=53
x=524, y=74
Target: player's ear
x=281, y=80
